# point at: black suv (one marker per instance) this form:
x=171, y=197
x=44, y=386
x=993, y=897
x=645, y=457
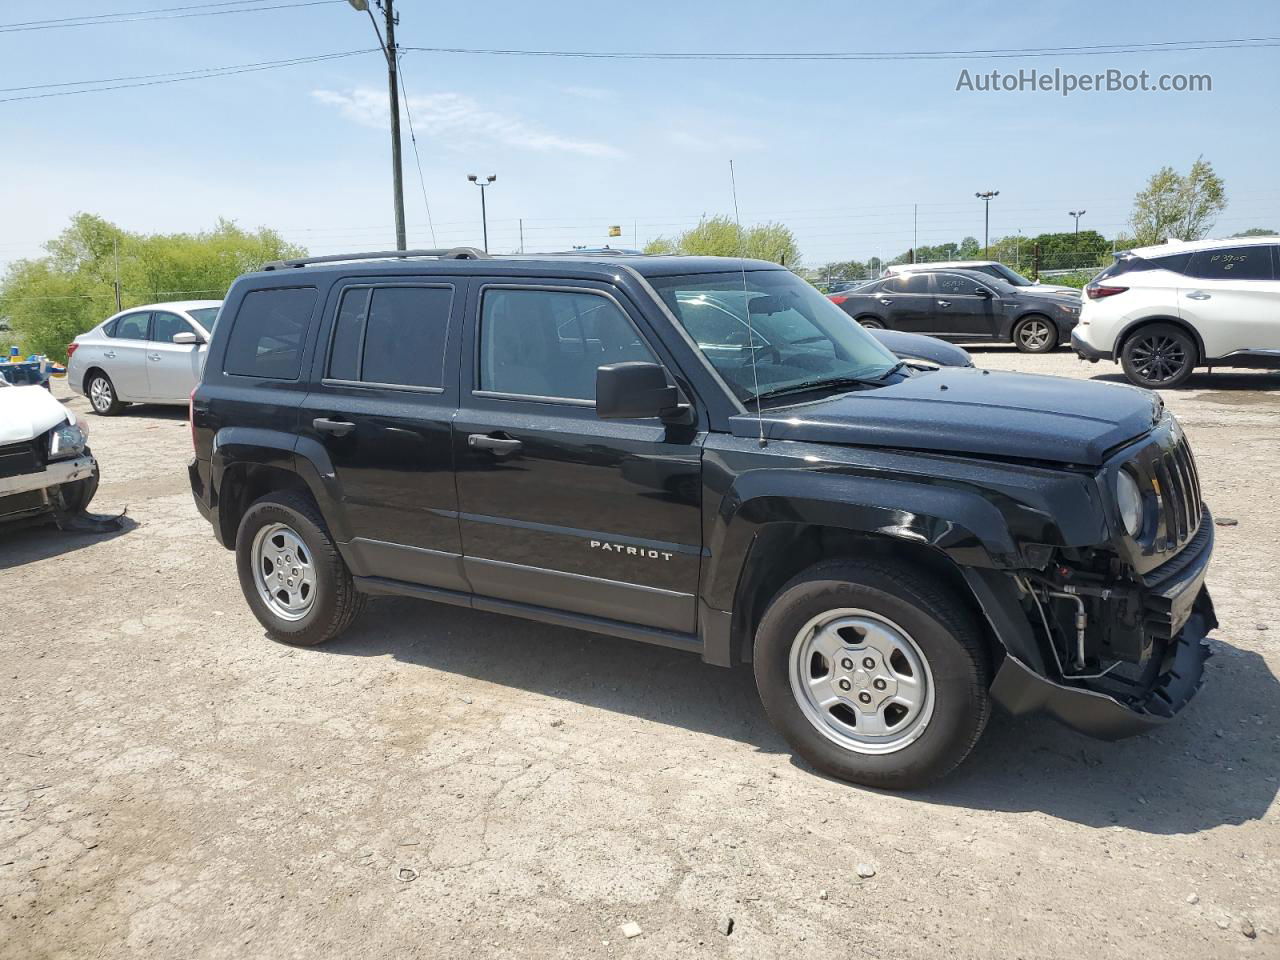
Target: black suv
x=583, y=441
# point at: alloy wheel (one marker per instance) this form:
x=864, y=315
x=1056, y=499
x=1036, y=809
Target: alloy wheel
x=861, y=681
x=100, y=394
x=283, y=571
x=1034, y=335
x=1158, y=358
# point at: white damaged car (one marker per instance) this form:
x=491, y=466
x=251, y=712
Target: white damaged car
x=45, y=463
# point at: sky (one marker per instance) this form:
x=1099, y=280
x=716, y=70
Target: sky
x=858, y=158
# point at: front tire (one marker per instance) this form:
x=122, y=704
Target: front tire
x=872, y=674
x=1160, y=356
x=296, y=582
x=1035, y=335
x=102, y=395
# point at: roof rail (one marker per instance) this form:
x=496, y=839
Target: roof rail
x=442, y=253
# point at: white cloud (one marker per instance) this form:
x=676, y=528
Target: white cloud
x=458, y=121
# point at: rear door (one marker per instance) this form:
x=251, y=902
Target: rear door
x=172, y=368
x=1232, y=297
x=559, y=508
x=381, y=408
x=124, y=355
x=907, y=302
x=961, y=311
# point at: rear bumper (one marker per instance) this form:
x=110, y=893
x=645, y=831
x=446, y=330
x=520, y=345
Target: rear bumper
x=1085, y=350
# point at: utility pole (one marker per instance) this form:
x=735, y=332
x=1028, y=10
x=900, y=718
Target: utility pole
x=915, y=228
x=1077, y=214
x=522, y=234
x=393, y=89
x=115, y=248
x=986, y=196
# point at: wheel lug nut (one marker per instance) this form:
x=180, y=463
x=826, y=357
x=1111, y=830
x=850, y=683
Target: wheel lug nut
x=868, y=663
x=844, y=685
x=846, y=664
x=879, y=684
x=864, y=697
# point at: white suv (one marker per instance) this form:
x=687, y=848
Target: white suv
x=1163, y=311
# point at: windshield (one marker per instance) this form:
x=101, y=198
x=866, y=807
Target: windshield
x=1010, y=276
x=800, y=337
x=205, y=316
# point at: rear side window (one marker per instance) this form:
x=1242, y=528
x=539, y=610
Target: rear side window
x=266, y=338
x=907, y=283
x=132, y=326
x=1232, y=263
x=392, y=334
x=954, y=285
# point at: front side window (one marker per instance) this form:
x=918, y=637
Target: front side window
x=1232, y=263
x=788, y=334
x=205, y=316
x=392, y=335
x=267, y=336
x=132, y=326
x=548, y=343
x=1001, y=272
x=165, y=325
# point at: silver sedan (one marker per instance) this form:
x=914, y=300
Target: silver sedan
x=147, y=354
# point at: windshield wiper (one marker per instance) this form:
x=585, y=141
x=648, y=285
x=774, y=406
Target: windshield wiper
x=901, y=364
x=833, y=383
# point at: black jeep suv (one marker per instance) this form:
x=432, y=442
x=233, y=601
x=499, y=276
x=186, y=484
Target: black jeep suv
x=584, y=440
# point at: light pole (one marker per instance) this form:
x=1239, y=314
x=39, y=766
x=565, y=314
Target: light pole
x=986, y=196
x=484, y=216
x=1077, y=214
x=389, y=49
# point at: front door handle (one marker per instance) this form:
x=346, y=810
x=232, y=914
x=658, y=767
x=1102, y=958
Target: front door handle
x=338, y=428
x=110, y=354
x=153, y=356
x=944, y=303
x=886, y=301
x=1197, y=295
x=502, y=446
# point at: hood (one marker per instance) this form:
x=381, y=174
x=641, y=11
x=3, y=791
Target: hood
x=27, y=412
x=1053, y=288
x=968, y=411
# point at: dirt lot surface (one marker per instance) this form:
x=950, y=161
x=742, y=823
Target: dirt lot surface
x=444, y=783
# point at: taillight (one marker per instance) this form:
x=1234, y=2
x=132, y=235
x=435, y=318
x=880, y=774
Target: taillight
x=191, y=417
x=71, y=348
x=1098, y=291
x=837, y=298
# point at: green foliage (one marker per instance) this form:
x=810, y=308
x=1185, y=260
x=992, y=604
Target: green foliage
x=1256, y=232
x=722, y=237
x=1178, y=206
x=49, y=300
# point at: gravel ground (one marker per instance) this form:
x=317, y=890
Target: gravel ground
x=444, y=783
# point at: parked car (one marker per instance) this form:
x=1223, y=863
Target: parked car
x=547, y=437
x=46, y=466
x=148, y=354
x=993, y=268
x=915, y=347
x=963, y=305
x=1163, y=311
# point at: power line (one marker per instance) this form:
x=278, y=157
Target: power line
x=147, y=80
x=159, y=13
x=413, y=139
x=1167, y=46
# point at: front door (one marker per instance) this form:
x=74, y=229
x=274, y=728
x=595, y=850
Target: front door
x=962, y=311
x=380, y=411
x=173, y=369
x=559, y=508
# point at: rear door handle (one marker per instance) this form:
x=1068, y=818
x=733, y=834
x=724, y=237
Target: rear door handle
x=338, y=428
x=1197, y=295
x=502, y=446
x=109, y=354
x=944, y=303
x=886, y=301
x=153, y=356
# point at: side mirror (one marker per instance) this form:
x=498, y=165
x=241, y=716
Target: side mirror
x=186, y=337
x=629, y=391
x=983, y=292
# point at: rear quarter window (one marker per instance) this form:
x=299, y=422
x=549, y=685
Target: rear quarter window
x=268, y=333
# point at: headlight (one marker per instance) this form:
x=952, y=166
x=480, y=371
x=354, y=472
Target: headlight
x=66, y=440
x=1129, y=500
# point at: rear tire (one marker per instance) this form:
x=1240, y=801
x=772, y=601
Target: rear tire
x=1159, y=356
x=844, y=632
x=296, y=582
x=871, y=323
x=1035, y=335
x=102, y=395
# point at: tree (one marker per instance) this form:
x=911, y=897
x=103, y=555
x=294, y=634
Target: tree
x=49, y=300
x=722, y=237
x=1177, y=206
x=1256, y=232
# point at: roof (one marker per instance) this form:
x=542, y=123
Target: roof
x=467, y=260
x=171, y=305
x=1183, y=246
x=939, y=265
